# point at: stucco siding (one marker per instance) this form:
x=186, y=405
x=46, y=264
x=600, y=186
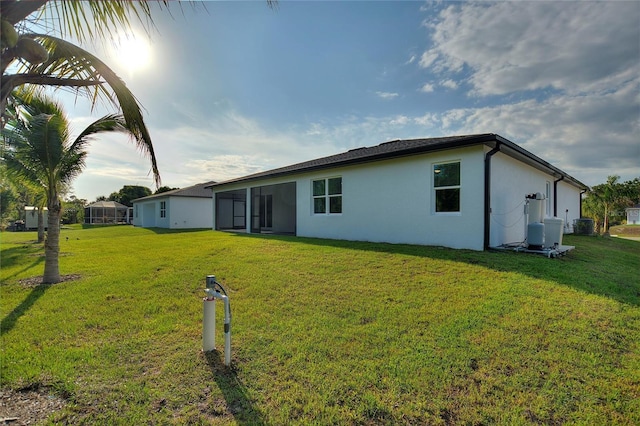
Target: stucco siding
x=511, y=181
x=181, y=213
x=189, y=213
x=568, y=204
x=392, y=201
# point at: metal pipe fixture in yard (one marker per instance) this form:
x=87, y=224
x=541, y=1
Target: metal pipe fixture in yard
x=214, y=290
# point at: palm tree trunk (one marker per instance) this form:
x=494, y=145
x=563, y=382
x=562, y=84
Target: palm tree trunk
x=52, y=244
x=40, y=224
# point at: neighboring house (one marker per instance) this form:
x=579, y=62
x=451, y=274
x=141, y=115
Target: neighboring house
x=186, y=208
x=633, y=215
x=105, y=212
x=460, y=192
x=31, y=217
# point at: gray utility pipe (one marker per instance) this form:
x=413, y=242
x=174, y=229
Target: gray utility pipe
x=215, y=291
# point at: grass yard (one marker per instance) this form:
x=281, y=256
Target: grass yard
x=324, y=332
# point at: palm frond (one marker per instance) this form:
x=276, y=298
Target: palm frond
x=82, y=20
x=70, y=62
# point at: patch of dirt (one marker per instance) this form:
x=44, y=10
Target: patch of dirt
x=36, y=281
x=27, y=407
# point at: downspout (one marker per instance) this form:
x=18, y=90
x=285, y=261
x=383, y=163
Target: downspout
x=555, y=196
x=581, y=202
x=487, y=194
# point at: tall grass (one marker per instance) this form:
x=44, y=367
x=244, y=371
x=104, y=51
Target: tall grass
x=324, y=332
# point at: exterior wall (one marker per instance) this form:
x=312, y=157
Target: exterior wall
x=392, y=201
x=511, y=181
x=633, y=216
x=189, y=212
x=146, y=213
x=31, y=217
x=568, y=205
x=181, y=213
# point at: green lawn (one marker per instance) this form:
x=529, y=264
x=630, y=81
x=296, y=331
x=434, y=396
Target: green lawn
x=324, y=332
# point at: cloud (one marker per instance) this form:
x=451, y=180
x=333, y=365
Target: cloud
x=428, y=58
x=427, y=120
x=427, y=88
x=589, y=137
x=449, y=84
x=411, y=60
x=387, y=95
x=575, y=47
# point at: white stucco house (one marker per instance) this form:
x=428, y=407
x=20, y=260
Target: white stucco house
x=460, y=192
x=185, y=208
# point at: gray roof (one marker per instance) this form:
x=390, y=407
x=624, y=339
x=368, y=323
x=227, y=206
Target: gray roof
x=107, y=205
x=200, y=190
x=407, y=147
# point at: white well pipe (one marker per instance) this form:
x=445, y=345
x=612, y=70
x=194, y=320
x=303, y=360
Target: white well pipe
x=209, y=320
x=209, y=324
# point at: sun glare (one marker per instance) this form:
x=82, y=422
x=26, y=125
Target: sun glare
x=133, y=53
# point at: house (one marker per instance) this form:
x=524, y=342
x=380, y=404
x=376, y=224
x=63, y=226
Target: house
x=31, y=217
x=185, y=208
x=105, y=212
x=460, y=192
x=633, y=215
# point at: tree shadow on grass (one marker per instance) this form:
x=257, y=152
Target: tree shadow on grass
x=10, y=320
x=238, y=401
x=600, y=266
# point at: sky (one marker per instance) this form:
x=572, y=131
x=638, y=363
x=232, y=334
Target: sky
x=234, y=88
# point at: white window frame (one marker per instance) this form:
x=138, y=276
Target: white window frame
x=163, y=209
x=326, y=196
x=435, y=189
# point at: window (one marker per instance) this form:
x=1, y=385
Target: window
x=327, y=192
x=446, y=185
x=163, y=209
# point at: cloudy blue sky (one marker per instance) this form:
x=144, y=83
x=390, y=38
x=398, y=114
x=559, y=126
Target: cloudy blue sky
x=240, y=88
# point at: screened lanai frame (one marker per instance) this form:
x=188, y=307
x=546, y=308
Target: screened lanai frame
x=106, y=212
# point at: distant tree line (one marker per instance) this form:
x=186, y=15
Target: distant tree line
x=606, y=203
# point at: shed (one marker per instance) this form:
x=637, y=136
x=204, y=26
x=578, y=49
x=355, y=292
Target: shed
x=465, y=191
x=633, y=215
x=31, y=217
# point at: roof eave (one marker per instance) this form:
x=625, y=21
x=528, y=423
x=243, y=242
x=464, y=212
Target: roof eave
x=483, y=138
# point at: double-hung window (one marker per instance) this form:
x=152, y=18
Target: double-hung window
x=327, y=196
x=446, y=187
x=163, y=209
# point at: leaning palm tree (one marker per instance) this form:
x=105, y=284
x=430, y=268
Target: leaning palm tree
x=30, y=59
x=38, y=150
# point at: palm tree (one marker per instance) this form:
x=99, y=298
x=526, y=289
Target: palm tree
x=51, y=61
x=38, y=150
